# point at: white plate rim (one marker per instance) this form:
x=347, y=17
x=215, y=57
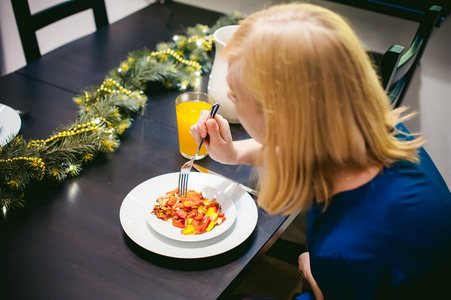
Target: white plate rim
x=166, y=229
x=10, y=122
x=135, y=225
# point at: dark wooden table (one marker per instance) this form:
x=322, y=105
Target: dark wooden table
x=68, y=243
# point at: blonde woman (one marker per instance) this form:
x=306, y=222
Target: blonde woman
x=379, y=222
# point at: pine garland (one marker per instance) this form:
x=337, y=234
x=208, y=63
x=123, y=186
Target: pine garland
x=105, y=112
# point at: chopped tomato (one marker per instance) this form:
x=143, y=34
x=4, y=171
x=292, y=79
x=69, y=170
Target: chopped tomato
x=171, y=201
x=181, y=213
x=220, y=220
x=192, y=214
x=189, y=202
x=192, y=199
x=193, y=195
x=199, y=217
x=178, y=223
x=200, y=227
x=179, y=205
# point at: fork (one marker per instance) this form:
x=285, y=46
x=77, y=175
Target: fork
x=186, y=168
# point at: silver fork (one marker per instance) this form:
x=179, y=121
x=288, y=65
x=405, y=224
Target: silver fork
x=186, y=168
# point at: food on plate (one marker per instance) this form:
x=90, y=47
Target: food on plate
x=194, y=214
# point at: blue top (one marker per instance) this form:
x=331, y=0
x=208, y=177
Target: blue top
x=388, y=239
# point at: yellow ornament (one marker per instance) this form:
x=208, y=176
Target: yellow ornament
x=87, y=157
x=13, y=184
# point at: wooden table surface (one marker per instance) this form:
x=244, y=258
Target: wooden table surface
x=68, y=243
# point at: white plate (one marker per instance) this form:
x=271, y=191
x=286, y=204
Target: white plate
x=9, y=124
x=166, y=228
x=134, y=222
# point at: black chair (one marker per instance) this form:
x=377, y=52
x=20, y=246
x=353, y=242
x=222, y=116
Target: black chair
x=397, y=71
x=28, y=24
x=389, y=63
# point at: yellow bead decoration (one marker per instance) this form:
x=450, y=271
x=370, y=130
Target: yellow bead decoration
x=109, y=83
x=111, y=86
x=207, y=41
x=96, y=124
x=34, y=161
x=174, y=54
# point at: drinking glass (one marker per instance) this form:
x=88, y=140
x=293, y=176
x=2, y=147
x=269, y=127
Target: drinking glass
x=188, y=107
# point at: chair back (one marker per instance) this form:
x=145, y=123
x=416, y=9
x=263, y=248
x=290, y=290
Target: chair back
x=389, y=64
x=397, y=70
x=28, y=23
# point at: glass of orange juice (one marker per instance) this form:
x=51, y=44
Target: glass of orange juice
x=188, y=107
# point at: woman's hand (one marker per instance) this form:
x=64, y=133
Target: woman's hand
x=219, y=142
x=304, y=269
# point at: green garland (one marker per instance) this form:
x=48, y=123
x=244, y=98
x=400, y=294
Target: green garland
x=105, y=112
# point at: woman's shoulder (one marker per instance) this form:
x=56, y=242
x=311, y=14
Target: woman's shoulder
x=426, y=167
x=417, y=180
x=402, y=204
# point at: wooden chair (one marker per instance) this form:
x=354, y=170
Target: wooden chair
x=28, y=24
x=398, y=70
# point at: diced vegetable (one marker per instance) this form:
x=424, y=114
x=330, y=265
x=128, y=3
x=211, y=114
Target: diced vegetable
x=178, y=223
x=193, y=213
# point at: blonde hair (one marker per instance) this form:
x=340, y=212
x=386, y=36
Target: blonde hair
x=322, y=101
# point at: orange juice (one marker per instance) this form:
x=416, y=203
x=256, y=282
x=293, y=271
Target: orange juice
x=187, y=115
